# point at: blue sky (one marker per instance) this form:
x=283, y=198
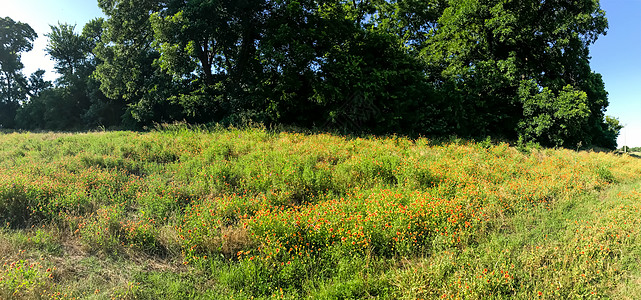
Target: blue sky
x=39, y=14
x=615, y=55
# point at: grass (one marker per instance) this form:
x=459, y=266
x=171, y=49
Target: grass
x=236, y=214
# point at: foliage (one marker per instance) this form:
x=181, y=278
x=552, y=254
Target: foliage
x=223, y=213
x=15, y=38
x=437, y=68
x=76, y=101
x=483, y=50
x=127, y=72
x=553, y=120
x=611, y=131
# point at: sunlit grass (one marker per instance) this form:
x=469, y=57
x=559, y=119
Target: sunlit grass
x=229, y=213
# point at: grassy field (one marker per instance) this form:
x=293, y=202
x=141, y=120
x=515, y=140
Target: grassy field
x=236, y=214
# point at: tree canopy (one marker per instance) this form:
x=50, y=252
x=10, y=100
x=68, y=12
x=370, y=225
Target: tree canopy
x=15, y=38
x=472, y=68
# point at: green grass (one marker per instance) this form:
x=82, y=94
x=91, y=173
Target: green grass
x=184, y=213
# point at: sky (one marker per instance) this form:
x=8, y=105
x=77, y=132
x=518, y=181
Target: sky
x=39, y=14
x=615, y=56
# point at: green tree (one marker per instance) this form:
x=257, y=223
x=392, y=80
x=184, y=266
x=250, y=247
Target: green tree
x=15, y=38
x=553, y=120
x=610, y=133
x=76, y=102
x=37, y=84
x=465, y=67
x=209, y=48
x=69, y=51
x=299, y=51
x=307, y=63
x=127, y=71
x=481, y=51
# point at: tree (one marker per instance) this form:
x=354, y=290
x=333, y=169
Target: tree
x=482, y=51
x=471, y=68
x=610, y=133
x=37, y=84
x=15, y=38
x=209, y=48
x=295, y=62
x=553, y=120
x=127, y=71
x=69, y=51
x=76, y=101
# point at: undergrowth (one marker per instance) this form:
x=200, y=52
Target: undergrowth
x=183, y=213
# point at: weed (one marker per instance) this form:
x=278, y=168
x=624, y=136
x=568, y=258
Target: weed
x=220, y=213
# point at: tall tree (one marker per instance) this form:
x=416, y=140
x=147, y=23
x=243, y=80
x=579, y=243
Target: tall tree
x=15, y=38
x=296, y=62
x=76, y=101
x=483, y=50
x=209, y=47
x=69, y=51
x=465, y=67
x=127, y=71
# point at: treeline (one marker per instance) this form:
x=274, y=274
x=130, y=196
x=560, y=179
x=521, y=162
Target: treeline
x=507, y=69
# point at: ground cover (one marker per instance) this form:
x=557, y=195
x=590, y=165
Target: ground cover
x=229, y=213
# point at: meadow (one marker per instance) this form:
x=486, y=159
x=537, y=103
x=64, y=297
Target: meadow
x=224, y=213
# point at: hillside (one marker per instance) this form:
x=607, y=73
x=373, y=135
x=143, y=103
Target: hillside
x=228, y=213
